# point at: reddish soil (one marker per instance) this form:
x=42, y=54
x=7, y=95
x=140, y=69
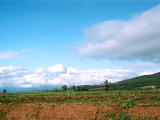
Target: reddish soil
x=70, y=112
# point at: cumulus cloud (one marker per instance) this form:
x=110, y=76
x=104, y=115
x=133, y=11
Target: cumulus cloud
x=11, y=54
x=59, y=68
x=14, y=76
x=135, y=39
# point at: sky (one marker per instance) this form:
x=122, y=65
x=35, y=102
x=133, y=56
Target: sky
x=51, y=42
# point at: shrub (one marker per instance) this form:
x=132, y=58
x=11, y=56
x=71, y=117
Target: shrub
x=146, y=118
x=129, y=103
x=108, y=115
x=123, y=116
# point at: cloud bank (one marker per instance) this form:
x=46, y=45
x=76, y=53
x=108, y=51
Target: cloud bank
x=14, y=76
x=135, y=39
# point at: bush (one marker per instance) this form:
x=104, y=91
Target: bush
x=123, y=116
x=108, y=115
x=129, y=103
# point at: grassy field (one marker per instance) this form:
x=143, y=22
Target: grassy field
x=146, y=97
x=113, y=92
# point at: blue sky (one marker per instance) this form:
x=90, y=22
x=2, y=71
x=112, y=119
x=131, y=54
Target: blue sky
x=49, y=31
x=41, y=34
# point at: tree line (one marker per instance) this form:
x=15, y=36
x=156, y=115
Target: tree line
x=78, y=88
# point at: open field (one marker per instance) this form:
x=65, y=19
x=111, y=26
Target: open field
x=89, y=105
x=145, y=97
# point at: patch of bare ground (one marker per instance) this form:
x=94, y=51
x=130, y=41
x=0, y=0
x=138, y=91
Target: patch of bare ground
x=70, y=112
x=153, y=111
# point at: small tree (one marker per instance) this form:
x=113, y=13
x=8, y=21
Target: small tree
x=78, y=88
x=73, y=87
x=4, y=90
x=106, y=84
x=64, y=87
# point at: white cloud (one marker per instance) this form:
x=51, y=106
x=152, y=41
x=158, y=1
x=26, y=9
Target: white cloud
x=135, y=39
x=148, y=72
x=14, y=76
x=57, y=81
x=57, y=68
x=11, y=54
x=9, y=68
x=39, y=70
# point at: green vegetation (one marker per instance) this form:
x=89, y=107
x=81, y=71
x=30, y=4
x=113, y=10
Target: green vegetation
x=110, y=115
x=4, y=90
x=128, y=104
x=124, y=98
x=123, y=116
x=64, y=87
x=3, y=115
x=112, y=92
x=146, y=118
x=106, y=84
x=73, y=88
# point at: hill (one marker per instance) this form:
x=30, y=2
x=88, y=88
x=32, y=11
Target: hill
x=146, y=81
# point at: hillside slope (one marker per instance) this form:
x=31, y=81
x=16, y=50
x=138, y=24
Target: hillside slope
x=141, y=81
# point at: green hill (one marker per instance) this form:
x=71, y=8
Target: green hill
x=139, y=82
